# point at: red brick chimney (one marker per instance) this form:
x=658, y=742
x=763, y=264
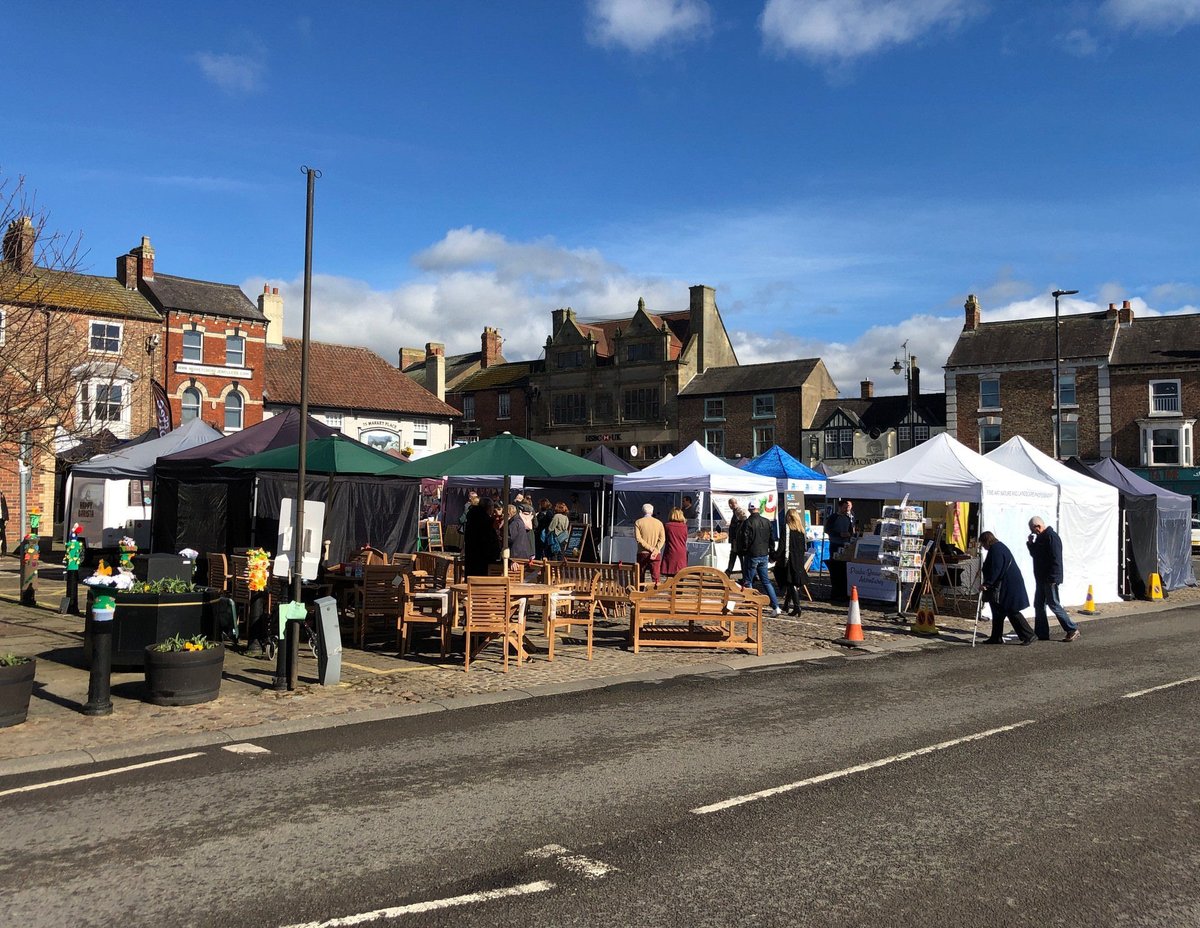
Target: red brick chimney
x=974, y=315
x=19, y=241
x=144, y=255
x=490, y=351
x=410, y=356
x=1125, y=314
x=866, y=390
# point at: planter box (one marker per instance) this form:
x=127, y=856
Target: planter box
x=144, y=619
x=183, y=678
x=16, y=686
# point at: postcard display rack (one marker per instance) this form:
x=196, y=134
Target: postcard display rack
x=901, y=552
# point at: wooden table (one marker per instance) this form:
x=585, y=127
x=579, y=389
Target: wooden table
x=546, y=591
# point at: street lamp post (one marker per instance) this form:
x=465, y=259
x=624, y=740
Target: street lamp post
x=1057, y=378
x=909, y=361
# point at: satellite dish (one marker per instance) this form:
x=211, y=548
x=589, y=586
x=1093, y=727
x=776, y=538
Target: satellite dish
x=633, y=452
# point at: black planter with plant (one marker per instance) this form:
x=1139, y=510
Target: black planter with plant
x=183, y=672
x=149, y=613
x=16, y=686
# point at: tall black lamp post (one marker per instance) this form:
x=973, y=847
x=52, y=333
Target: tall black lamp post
x=1057, y=379
x=907, y=368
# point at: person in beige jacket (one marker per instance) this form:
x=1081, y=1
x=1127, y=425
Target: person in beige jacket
x=651, y=536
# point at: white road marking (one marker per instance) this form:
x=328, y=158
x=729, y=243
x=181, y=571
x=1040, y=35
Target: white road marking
x=103, y=773
x=859, y=768
x=1155, y=689
x=577, y=863
x=244, y=747
x=525, y=889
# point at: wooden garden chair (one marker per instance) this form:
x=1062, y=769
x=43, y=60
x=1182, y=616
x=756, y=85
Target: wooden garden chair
x=491, y=613
x=576, y=606
x=381, y=597
x=218, y=572
x=422, y=608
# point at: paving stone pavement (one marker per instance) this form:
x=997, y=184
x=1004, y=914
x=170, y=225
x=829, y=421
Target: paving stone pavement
x=377, y=679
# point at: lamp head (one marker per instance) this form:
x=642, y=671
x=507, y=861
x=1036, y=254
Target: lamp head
x=1057, y=293
x=896, y=368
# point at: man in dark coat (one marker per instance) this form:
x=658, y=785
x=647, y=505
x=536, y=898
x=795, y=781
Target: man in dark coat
x=758, y=543
x=736, y=521
x=1004, y=588
x=481, y=544
x=1045, y=547
x=841, y=527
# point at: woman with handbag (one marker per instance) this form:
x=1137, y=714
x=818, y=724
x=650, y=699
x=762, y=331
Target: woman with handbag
x=1004, y=588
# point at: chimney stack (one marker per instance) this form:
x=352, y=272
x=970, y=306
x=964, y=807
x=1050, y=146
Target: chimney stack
x=558, y=317
x=1112, y=311
x=144, y=254
x=410, y=356
x=435, y=369
x=490, y=347
x=866, y=390
x=914, y=378
x=270, y=304
x=19, y=241
x=974, y=314
x=1125, y=314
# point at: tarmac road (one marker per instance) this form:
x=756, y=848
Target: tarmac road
x=1069, y=804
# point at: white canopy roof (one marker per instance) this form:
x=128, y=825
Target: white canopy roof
x=1087, y=519
x=695, y=468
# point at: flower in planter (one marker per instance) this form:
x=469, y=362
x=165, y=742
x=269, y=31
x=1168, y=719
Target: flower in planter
x=259, y=568
x=178, y=643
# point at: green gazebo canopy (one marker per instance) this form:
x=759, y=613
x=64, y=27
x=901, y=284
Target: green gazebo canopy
x=502, y=456
x=335, y=454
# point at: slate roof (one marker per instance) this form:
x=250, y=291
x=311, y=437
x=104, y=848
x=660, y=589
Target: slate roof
x=882, y=412
x=751, y=378
x=346, y=377
x=498, y=376
x=97, y=296
x=1086, y=335
x=1162, y=340
x=458, y=367
x=182, y=294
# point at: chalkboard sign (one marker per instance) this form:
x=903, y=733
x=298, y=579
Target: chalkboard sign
x=433, y=534
x=577, y=542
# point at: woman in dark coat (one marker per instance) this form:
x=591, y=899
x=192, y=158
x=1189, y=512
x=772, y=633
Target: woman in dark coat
x=790, y=555
x=481, y=544
x=520, y=547
x=1004, y=588
x=674, y=556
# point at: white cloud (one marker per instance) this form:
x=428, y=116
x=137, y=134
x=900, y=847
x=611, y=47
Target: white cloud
x=1175, y=292
x=232, y=73
x=1165, y=15
x=639, y=25
x=1080, y=43
x=838, y=30
x=469, y=279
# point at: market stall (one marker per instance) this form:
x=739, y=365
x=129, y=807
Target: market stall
x=944, y=470
x=1086, y=517
x=693, y=472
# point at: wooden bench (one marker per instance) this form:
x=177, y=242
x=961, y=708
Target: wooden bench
x=697, y=608
x=616, y=582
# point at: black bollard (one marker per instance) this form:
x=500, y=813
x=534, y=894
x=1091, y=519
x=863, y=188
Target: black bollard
x=293, y=652
x=99, y=693
x=73, y=592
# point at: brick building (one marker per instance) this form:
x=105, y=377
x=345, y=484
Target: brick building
x=212, y=345
x=77, y=358
x=617, y=381
x=741, y=411
x=1129, y=389
x=495, y=399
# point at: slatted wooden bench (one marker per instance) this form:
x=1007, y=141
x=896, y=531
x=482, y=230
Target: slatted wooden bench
x=616, y=582
x=699, y=607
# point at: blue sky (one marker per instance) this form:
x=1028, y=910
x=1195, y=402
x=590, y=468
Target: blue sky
x=844, y=172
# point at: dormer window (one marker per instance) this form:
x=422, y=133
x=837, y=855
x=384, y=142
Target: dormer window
x=569, y=358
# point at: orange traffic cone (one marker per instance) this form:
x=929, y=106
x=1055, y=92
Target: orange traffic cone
x=854, y=632
x=1089, y=607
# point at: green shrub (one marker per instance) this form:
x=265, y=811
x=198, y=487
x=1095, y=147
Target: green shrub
x=12, y=660
x=179, y=643
x=170, y=585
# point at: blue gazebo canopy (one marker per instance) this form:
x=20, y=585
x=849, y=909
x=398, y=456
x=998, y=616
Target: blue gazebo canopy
x=777, y=463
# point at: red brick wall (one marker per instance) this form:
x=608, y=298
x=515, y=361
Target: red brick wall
x=213, y=386
x=486, y=420
x=739, y=423
x=1130, y=391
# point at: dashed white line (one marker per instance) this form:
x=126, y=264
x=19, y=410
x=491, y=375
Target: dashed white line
x=103, y=773
x=1164, y=686
x=577, y=863
x=524, y=889
x=244, y=747
x=858, y=768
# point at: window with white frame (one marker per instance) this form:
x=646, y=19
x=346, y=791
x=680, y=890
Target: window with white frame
x=190, y=404
x=334, y=420
x=714, y=409
x=420, y=433
x=764, y=438
x=989, y=393
x=839, y=443
x=235, y=351
x=714, y=441
x=1066, y=390
x=1164, y=398
x=503, y=405
x=105, y=336
x=989, y=435
x=101, y=401
x=764, y=406
x=1166, y=444
x=468, y=407
x=193, y=345
x=1068, y=438
x=234, y=411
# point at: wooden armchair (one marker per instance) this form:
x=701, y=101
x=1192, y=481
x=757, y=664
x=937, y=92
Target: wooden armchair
x=218, y=572
x=406, y=561
x=491, y=613
x=575, y=607
x=381, y=597
x=422, y=608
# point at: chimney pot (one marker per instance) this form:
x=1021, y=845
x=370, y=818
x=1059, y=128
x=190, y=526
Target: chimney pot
x=266, y=288
x=866, y=390
x=1125, y=314
x=275, y=290
x=974, y=315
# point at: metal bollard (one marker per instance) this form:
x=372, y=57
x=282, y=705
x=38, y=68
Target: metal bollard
x=99, y=700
